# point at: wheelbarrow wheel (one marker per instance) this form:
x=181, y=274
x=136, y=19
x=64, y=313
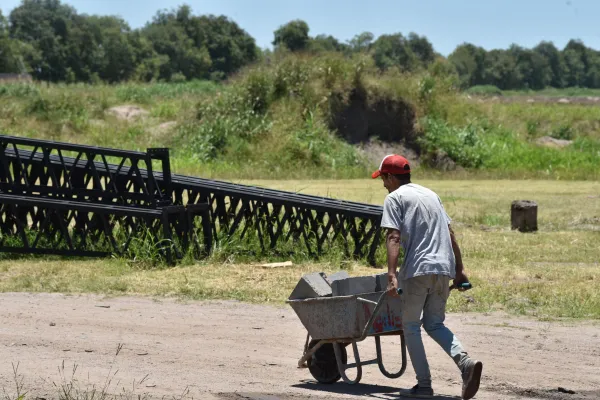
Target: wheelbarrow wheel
x=322, y=365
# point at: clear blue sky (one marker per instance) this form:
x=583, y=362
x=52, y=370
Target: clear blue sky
x=447, y=23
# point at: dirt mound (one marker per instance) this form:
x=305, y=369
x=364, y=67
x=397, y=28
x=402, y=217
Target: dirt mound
x=553, y=142
x=163, y=132
x=440, y=160
x=127, y=112
x=166, y=126
x=374, y=150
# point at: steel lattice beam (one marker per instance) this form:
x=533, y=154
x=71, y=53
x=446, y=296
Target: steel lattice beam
x=49, y=226
x=38, y=167
x=277, y=218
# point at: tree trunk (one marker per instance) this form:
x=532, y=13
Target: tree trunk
x=523, y=215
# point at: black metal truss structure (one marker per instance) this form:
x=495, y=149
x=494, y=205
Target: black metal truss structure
x=50, y=226
x=278, y=219
x=38, y=167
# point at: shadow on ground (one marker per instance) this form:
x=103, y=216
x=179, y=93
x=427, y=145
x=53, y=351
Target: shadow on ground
x=367, y=390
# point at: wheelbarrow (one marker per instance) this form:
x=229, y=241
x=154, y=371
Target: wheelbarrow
x=335, y=322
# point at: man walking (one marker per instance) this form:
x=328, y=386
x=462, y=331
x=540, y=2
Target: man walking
x=416, y=219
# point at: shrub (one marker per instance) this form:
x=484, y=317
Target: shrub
x=20, y=90
x=290, y=76
x=463, y=145
x=65, y=107
x=563, y=131
x=257, y=91
x=231, y=117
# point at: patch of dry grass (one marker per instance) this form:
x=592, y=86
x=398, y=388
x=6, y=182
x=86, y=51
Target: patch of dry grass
x=562, y=205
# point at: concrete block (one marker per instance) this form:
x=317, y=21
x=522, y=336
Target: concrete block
x=310, y=286
x=337, y=276
x=354, y=285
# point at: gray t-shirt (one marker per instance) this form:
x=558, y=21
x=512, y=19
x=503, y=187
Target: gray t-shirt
x=418, y=213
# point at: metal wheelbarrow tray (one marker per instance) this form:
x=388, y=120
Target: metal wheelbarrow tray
x=338, y=321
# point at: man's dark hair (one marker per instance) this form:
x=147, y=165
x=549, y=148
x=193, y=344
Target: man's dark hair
x=403, y=178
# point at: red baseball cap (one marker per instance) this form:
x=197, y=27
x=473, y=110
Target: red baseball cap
x=392, y=164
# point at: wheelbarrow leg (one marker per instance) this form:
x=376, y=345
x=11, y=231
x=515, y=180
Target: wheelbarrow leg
x=306, y=343
x=305, y=353
x=342, y=367
x=380, y=358
x=308, y=353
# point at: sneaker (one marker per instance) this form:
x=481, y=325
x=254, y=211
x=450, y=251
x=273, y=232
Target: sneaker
x=471, y=377
x=418, y=392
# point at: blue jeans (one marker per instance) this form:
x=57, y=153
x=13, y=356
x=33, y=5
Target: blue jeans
x=428, y=295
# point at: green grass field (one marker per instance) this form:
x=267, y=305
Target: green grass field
x=552, y=273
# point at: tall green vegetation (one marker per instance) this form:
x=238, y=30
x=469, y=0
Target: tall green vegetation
x=276, y=120
x=282, y=119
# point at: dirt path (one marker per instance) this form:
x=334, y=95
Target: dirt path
x=563, y=100
x=231, y=350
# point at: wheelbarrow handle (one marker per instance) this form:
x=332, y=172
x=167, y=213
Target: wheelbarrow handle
x=374, y=314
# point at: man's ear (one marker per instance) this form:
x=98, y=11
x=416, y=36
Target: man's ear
x=393, y=232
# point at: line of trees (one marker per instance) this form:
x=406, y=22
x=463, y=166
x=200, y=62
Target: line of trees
x=518, y=68
x=53, y=42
